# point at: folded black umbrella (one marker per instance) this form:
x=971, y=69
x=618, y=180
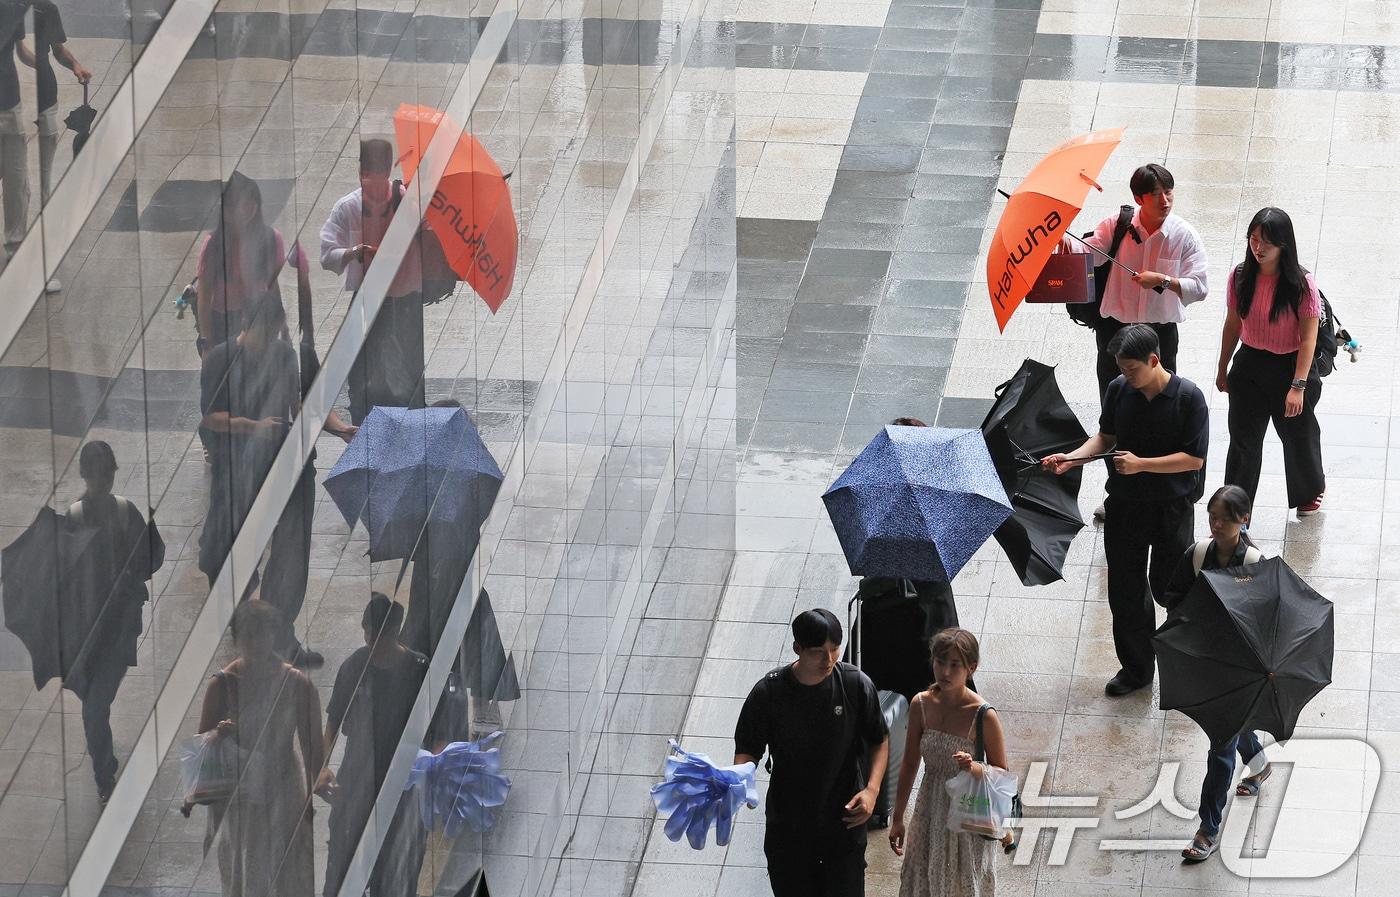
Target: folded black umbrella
x=79, y=121
x=1246, y=649
x=1028, y=421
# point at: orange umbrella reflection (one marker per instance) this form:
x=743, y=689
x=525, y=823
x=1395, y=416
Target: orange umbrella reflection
x=1038, y=214
x=470, y=211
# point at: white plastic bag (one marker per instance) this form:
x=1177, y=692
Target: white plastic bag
x=209, y=768
x=980, y=806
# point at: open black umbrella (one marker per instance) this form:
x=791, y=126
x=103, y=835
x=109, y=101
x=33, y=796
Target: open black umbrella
x=41, y=574
x=1028, y=421
x=1246, y=649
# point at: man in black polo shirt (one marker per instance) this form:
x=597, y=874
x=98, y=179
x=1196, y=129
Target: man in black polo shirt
x=820, y=721
x=1159, y=428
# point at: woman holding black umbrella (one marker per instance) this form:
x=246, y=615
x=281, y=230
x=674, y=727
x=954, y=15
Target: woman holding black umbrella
x=1229, y=546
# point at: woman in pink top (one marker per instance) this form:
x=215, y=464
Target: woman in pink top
x=241, y=259
x=1273, y=310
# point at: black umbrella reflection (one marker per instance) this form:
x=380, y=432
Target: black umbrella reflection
x=1246, y=649
x=487, y=670
x=44, y=604
x=79, y=121
x=1028, y=421
x=475, y=886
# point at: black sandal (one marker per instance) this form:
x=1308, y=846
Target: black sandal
x=1249, y=785
x=1200, y=849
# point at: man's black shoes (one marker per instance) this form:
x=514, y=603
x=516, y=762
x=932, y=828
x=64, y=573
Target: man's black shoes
x=1120, y=685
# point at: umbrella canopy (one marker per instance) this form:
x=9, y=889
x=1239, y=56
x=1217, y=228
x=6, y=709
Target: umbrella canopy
x=1039, y=212
x=407, y=466
x=696, y=794
x=46, y=599
x=917, y=503
x=470, y=212
x=1028, y=421
x=488, y=671
x=461, y=787
x=1246, y=649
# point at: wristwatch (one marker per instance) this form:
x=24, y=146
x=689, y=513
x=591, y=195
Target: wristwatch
x=1299, y=384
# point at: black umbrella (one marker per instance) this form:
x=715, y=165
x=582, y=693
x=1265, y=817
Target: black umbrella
x=1246, y=649
x=79, y=121
x=488, y=671
x=1028, y=421
x=40, y=573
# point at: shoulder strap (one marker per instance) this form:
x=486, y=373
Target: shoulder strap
x=1198, y=555
x=75, y=512
x=1252, y=555
x=979, y=751
x=1125, y=221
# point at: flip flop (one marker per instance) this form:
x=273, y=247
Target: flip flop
x=1200, y=849
x=1249, y=785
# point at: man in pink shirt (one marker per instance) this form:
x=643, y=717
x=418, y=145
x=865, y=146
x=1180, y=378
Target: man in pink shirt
x=389, y=369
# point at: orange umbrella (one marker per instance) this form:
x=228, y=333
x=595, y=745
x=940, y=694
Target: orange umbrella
x=470, y=212
x=1039, y=212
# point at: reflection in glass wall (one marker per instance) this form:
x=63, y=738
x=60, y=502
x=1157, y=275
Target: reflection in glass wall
x=369, y=465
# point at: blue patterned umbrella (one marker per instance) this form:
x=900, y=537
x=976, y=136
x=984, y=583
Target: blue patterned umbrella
x=409, y=466
x=460, y=787
x=698, y=794
x=917, y=503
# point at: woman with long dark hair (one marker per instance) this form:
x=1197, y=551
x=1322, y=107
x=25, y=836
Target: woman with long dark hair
x=1273, y=310
x=241, y=259
x=1229, y=546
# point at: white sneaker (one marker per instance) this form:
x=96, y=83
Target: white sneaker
x=53, y=286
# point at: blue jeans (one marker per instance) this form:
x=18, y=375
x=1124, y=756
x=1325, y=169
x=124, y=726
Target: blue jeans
x=1220, y=769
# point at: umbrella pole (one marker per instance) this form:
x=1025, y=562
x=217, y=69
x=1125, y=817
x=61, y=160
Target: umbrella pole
x=1088, y=246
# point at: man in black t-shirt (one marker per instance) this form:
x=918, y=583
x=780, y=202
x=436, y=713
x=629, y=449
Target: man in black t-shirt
x=821, y=724
x=1158, y=427
x=374, y=693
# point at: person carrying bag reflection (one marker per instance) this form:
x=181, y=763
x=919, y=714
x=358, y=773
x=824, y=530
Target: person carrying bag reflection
x=124, y=555
x=262, y=833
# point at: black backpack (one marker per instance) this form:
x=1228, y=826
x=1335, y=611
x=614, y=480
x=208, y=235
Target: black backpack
x=1087, y=313
x=1330, y=337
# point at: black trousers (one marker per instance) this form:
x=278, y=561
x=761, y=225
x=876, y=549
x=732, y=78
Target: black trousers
x=104, y=681
x=288, y=565
x=1259, y=383
x=800, y=867
x=389, y=369
x=1143, y=541
x=1108, y=365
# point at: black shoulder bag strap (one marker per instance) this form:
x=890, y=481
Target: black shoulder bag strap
x=979, y=751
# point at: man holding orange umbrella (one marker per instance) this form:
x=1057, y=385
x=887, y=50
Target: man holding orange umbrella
x=1164, y=251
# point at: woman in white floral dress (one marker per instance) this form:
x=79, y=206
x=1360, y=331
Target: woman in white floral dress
x=942, y=721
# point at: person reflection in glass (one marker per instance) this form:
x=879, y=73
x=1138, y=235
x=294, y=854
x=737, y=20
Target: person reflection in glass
x=389, y=369
x=239, y=261
x=373, y=696
x=122, y=557
x=273, y=710
x=250, y=389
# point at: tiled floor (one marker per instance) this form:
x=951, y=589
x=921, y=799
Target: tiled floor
x=878, y=308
